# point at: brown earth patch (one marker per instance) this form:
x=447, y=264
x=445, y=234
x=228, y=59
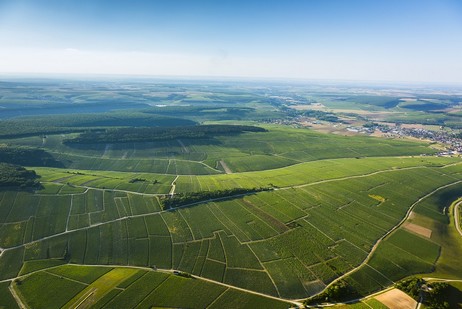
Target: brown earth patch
x=225, y=167
x=422, y=231
x=396, y=299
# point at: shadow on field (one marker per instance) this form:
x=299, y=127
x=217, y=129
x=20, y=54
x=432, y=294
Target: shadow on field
x=454, y=297
x=145, y=145
x=446, y=197
x=27, y=189
x=28, y=156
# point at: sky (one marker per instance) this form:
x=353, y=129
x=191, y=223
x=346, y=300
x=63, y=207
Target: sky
x=380, y=40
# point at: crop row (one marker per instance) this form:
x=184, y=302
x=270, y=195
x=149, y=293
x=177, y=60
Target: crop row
x=309, y=172
x=314, y=233
x=124, y=288
x=29, y=217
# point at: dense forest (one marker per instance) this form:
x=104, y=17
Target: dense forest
x=17, y=176
x=27, y=156
x=124, y=135
x=56, y=124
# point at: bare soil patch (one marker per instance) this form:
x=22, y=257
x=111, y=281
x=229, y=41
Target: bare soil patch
x=422, y=231
x=396, y=299
x=225, y=167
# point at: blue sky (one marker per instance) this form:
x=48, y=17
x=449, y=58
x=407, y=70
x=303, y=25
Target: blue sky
x=406, y=40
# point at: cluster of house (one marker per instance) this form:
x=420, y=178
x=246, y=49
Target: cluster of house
x=451, y=141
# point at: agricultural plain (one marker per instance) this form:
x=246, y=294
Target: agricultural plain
x=311, y=210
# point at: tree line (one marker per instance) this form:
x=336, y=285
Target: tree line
x=147, y=134
x=181, y=199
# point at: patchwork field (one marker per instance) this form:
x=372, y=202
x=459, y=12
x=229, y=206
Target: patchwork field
x=321, y=221
x=106, y=287
x=251, y=151
x=267, y=217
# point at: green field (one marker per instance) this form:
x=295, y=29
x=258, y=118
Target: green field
x=283, y=243
x=311, y=208
x=251, y=151
x=404, y=253
x=144, y=289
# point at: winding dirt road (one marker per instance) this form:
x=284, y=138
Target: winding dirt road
x=457, y=217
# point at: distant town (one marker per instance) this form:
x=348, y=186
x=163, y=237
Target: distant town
x=450, y=141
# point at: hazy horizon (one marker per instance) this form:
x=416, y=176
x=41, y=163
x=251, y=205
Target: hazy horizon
x=387, y=41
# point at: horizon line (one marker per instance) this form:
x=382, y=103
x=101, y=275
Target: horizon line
x=128, y=76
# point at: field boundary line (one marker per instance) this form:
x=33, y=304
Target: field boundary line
x=216, y=299
x=393, y=229
x=380, y=273
x=149, y=294
x=172, y=251
x=264, y=216
x=354, y=245
x=236, y=227
x=288, y=201
x=321, y=232
x=209, y=207
x=248, y=269
x=62, y=276
x=224, y=254
x=237, y=196
x=303, y=185
x=221, y=172
x=85, y=297
x=250, y=291
x=69, y=214
x=389, y=170
x=12, y=205
x=171, y=272
x=216, y=261
x=17, y=297
x=266, y=239
x=189, y=227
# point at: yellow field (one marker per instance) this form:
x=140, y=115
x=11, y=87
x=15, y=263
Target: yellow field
x=100, y=287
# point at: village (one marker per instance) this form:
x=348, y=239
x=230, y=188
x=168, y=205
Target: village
x=451, y=141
